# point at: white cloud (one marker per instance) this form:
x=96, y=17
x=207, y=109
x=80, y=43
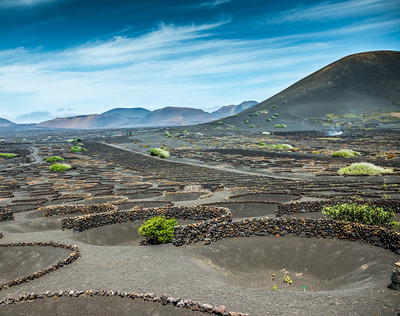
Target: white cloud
x=333, y=9
x=170, y=66
x=210, y=4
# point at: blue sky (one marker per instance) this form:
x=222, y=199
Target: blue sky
x=70, y=57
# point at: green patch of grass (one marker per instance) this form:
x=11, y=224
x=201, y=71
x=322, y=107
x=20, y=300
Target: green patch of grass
x=252, y=126
x=7, y=155
x=158, y=152
x=280, y=146
x=364, y=168
x=345, y=153
x=280, y=125
x=361, y=213
x=158, y=230
x=77, y=149
x=59, y=167
x=54, y=159
x=329, y=138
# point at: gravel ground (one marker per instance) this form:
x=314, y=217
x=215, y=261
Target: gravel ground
x=196, y=271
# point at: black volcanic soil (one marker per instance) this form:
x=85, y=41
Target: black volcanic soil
x=16, y=262
x=264, y=197
x=122, y=234
x=253, y=209
x=342, y=278
x=316, y=264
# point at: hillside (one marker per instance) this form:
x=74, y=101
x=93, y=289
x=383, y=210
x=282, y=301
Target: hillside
x=358, y=90
x=233, y=109
x=4, y=122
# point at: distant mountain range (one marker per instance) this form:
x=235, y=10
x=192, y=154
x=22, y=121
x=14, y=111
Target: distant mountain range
x=140, y=117
x=356, y=91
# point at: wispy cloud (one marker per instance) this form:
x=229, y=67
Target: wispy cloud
x=210, y=4
x=333, y=10
x=169, y=66
x=22, y=3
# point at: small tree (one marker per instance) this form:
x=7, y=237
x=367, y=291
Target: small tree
x=158, y=230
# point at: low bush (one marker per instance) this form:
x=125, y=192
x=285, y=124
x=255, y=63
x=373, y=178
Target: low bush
x=363, y=168
x=74, y=140
x=280, y=125
x=158, y=230
x=345, y=153
x=59, y=167
x=158, y=152
x=7, y=155
x=54, y=159
x=280, y=146
x=361, y=213
x=77, y=149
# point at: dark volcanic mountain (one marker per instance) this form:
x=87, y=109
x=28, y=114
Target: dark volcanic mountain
x=140, y=117
x=356, y=90
x=5, y=123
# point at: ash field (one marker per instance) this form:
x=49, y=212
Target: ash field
x=251, y=236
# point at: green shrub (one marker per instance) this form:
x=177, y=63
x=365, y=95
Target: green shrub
x=7, y=155
x=280, y=146
x=274, y=106
x=363, y=168
x=77, y=149
x=361, y=213
x=268, y=119
x=59, y=167
x=345, y=153
x=280, y=125
x=54, y=159
x=74, y=140
x=158, y=230
x=246, y=121
x=158, y=152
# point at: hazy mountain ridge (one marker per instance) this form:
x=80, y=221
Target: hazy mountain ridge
x=232, y=109
x=140, y=117
x=4, y=122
